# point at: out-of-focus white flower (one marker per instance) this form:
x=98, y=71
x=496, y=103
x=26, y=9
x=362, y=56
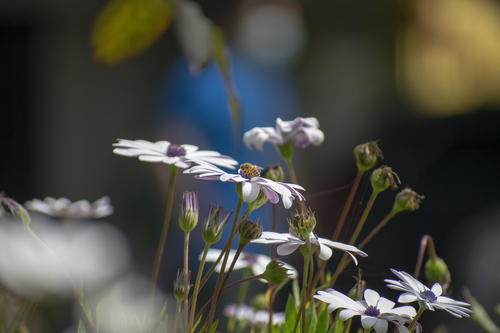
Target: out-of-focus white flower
x=182, y=156
x=301, y=132
x=91, y=253
x=251, y=184
x=127, y=297
x=291, y=241
x=256, y=262
x=375, y=311
x=63, y=208
x=415, y=290
x=243, y=312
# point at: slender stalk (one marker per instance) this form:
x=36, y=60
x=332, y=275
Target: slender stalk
x=230, y=270
x=432, y=250
x=271, y=305
x=241, y=297
x=340, y=224
x=294, y=180
x=224, y=262
x=344, y=260
x=307, y=259
x=419, y=313
x=196, y=287
x=186, y=287
x=163, y=237
x=79, y=295
x=177, y=314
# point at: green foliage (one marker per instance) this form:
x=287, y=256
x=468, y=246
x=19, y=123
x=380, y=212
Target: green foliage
x=311, y=319
x=290, y=314
x=99, y=313
x=214, y=326
x=81, y=327
x=323, y=319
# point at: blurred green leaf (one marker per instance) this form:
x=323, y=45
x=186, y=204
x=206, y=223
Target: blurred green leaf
x=214, y=326
x=323, y=319
x=85, y=305
x=311, y=319
x=219, y=54
x=338, y=325
x=99, y=313
x=81, y=327
x=124, y=28
x=290, y=314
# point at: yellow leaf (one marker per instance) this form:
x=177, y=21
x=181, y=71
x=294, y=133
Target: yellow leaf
x=124, y=28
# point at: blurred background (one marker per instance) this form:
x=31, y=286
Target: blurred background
x=422, y=77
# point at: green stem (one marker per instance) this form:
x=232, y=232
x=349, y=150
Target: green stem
x=186, y=287
x=79, y=294
x=224, y=262
x=197, y=286
x=344, y=260
x=247, y=272
x=425, y=242
x=377, y=229
x=177, y=314
x=419, y=313
x=161, y=245
x=230, y=270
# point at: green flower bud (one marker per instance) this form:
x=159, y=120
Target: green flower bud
x=259, y=302
x=356, y=293
x=13, y=208
x=274, y=172
x=214, y=224
x=179, y=285
x=302, y=223
x=259, y=202
x=275, y=272
x=367, y=155
x=407, y=200
x=384, y=177
x=248, y=230
x=188, y=218
x=287, y=150
x=436, y=270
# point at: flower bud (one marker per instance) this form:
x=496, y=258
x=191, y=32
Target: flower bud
x=274, y=172
x=179, y=285
x=384, y=177
x=259, y=302
x=436, y=270
x=275, y=272
x=248, y=230
x=356, y=293
x=303, y=224
x=407, y=200
x=188, y=217
x=259, y=202
x=367, y=155
x=214, y=224
x=12, y=207
x=287, y=150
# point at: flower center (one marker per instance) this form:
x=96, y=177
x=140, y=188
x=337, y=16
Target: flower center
x=428, y=296
x=249, y=171
x=372, y=311
x=175, y=150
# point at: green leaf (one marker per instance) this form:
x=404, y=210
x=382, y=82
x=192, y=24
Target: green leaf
x=323, y=319
x=219, y=54
x=290, y=314
x=81, y=327
x=99, y=313
x=214, y=326
x=311, y=319
x=85, y=305
x=338, y=325
x=124, y=28
x=196, y=324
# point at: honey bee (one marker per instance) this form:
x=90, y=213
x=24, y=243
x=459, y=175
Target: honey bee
x=249, y=170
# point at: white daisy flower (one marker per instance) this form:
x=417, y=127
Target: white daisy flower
x=375, y=311
x=291, y=241
x=256, y=262
x=431, y=298
x=251, y=184
x=182, y=156
x=63, y=208
x=301, y=132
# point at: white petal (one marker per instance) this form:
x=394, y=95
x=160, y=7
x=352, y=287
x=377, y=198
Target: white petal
x=407, y=298
x=371, y=297
x=368, y=321
x=347, y=313
x=380, y=325
x=250, y=191
x=436, y=289
x=385, y=305
x=324, y=252
x=286, y=249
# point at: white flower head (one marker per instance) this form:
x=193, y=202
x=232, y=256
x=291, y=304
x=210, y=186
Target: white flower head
x=63, y=208
x=251, y=184
x=291, y=241
x=375, y=311
x=256, y=262
x=301, y=132
x=182, y=156
x=415, y=290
